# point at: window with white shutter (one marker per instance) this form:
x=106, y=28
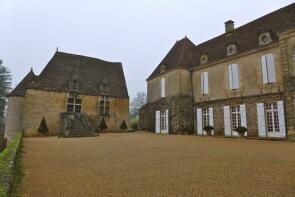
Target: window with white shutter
x=162, y=87
x=233, y=76
x=204, y=83
x=268, y=68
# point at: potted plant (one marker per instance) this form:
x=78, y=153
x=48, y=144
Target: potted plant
x=241, y=131
x=209, y=130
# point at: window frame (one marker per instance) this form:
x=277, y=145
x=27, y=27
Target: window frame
x=76, y=105
x=272, y=122
x=205, y=117
x=104, y=106
x=235, y=117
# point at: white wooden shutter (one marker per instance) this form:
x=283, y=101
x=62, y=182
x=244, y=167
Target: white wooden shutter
x=199, y=122
x=230, y=77
x=235, y=76
x=202, y=83
x=271, y=68
x=281, y=119
x=167, y=121
x=227, y=127
x=157, y=122
x=243, y=116
x=162, y=87
x=264, y=69
x=261, y=120
x=211, y=118
x=205, y=77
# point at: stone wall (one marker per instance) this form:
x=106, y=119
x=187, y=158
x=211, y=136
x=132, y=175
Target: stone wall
x=251, y=110
x=287, y=50
x=13, y=118
x=250, y=76
x=180, y=114
x=49, y=105
x=178, y=82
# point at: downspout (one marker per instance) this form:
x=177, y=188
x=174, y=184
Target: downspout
x=192, y=92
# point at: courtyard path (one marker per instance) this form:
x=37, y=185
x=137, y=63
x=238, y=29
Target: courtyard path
x=145, y=164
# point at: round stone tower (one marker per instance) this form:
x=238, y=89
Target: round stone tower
x=15, y=106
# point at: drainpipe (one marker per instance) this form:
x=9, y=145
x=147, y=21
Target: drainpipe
x=192, y=92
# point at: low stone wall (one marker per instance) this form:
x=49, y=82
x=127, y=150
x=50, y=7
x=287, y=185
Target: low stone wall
x=8, y=163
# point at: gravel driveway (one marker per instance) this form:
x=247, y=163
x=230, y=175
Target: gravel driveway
x=145, y=164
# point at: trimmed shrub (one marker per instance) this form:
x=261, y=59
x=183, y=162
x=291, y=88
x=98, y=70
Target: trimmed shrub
x=103, y=124
x=123, y=125
x=208, y=129
x=241, y=130
x=43, y=128
x=189, y=129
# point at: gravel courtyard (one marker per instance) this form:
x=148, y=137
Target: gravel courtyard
x=146, y=164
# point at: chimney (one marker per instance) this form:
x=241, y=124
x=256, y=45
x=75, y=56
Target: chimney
x=229, y=26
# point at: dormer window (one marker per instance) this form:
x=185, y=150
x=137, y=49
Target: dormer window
x=265, y=38
x=163, y=68
x=231, y=49
x=204, y=59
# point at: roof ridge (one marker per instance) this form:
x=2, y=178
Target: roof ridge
x=243, y=26
x=84, y=56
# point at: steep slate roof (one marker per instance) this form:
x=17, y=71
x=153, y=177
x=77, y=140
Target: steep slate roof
x=180, y=56
x=20, y=89
x=89, y=72
x=245, y=37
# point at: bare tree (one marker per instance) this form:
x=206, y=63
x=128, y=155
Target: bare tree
x=136, y=103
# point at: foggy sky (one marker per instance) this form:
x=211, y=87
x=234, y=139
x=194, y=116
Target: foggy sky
x=138, y=33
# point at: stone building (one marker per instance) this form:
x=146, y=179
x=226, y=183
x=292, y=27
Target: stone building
x=70, y=89
x=244, y=77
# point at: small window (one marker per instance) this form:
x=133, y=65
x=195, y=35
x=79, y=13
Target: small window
x=162, y=87
x=233, y=77
x=265, y=38
x=204, y=59
x=232, y=49
x=268, y=69
x=204, y=83
x=104, y=106
x=74, y=105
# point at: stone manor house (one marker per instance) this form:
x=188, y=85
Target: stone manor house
x=72, y=91
x=244, y=77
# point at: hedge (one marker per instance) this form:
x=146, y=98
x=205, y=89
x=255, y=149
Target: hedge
x=7, y=164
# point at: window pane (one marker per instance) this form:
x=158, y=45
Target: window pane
x=70, y=108
x=78, y=108
x=78, y=101
x=70, y=100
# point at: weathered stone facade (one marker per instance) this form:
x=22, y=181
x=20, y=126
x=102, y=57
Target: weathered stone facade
x=251, y=111
x=99, y=86
x=180, y=114
x=49, y=105
x=271, y=36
